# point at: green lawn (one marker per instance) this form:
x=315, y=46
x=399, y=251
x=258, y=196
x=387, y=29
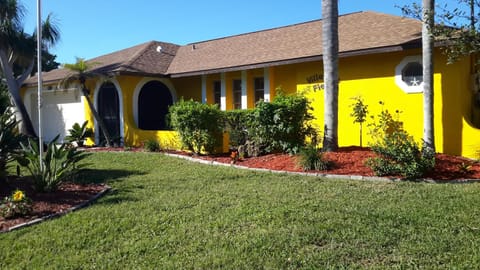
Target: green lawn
x=167, y=213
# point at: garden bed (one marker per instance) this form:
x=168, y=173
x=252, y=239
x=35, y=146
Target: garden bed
x=68, y=196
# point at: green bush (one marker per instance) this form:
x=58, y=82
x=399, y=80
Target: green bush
x=78, y=134
x=199, y=125
x=9, y=140
x=311, y=158
x=398, y=153
x=151, y=145
x=237, y=126
x=281, y=125
x=59, y=163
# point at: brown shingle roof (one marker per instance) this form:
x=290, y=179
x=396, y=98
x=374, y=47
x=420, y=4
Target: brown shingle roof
x=358, y=32
x=150, y=58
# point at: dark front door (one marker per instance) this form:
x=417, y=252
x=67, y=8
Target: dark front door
x=108, y=109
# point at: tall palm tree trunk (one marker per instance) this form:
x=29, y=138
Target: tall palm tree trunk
x=330, y=71
x=428, y=10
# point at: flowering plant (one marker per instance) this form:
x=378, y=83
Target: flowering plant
x=17, y=204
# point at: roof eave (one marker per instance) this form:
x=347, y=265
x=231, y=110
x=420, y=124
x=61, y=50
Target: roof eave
x=411, y=45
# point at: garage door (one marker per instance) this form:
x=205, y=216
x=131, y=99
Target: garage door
x=61, y=109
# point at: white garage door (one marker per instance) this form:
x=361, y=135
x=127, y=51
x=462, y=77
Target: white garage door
x=61, y=109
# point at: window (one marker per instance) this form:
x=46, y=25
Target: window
x=259, y=85
x=412, y=74
x=409, y=74
x=153, y=102
x=237, y=94
x=217, y=92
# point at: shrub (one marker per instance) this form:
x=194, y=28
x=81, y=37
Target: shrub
x=78, y=134
x=9, y=140
x=282, y=125
x=199, y=125
x=59, y=163
x=310, y=158
x=151, y=145
x=236, y=123
x=398, y=153
x=17, y=204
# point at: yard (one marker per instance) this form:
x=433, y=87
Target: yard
x=168, y=213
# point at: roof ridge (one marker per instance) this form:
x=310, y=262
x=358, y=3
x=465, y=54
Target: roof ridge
x=139, y=53
x=270, y=29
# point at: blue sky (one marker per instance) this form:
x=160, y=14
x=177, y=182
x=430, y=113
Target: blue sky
x=91, y=28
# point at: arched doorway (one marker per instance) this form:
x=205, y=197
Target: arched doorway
x=109, y=112
x=154, y=99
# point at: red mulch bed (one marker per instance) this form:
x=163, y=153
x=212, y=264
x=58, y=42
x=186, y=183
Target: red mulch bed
x=351, y=161
x=347, y=161
x=44, y=204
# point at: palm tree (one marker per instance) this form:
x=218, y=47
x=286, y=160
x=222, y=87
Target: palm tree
x=17, y=54
x=81, y=73
x=330, y=69
x=428, y=21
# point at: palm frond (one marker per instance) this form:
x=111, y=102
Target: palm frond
x=50, y=31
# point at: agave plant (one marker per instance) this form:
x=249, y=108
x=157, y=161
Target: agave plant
x=78, y=134
x=59, y=163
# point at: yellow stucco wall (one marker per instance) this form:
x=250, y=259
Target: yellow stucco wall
x=372, y=78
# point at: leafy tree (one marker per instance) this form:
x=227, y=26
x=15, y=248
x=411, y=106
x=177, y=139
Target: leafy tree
x=359, y=113
x=81, y=73
x=457, y=25
x=17, y=53
x=330, y=67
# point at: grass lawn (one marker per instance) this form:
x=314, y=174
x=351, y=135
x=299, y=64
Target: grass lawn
x=167, y=213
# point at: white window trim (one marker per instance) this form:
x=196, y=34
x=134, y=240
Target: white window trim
x=409, y=89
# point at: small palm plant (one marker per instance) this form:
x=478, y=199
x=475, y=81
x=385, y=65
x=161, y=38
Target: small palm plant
x=81, y=73
x=78, y=134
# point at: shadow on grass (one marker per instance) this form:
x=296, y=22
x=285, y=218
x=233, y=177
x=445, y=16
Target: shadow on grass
x=96, y=176
x=115, y=195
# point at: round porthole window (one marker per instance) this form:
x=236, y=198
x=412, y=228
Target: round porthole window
x=409, y=74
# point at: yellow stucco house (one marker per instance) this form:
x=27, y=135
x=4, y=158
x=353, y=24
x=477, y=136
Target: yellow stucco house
x=380, y=60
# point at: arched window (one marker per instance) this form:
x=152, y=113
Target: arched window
x=153, y=102
x=109, y=110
